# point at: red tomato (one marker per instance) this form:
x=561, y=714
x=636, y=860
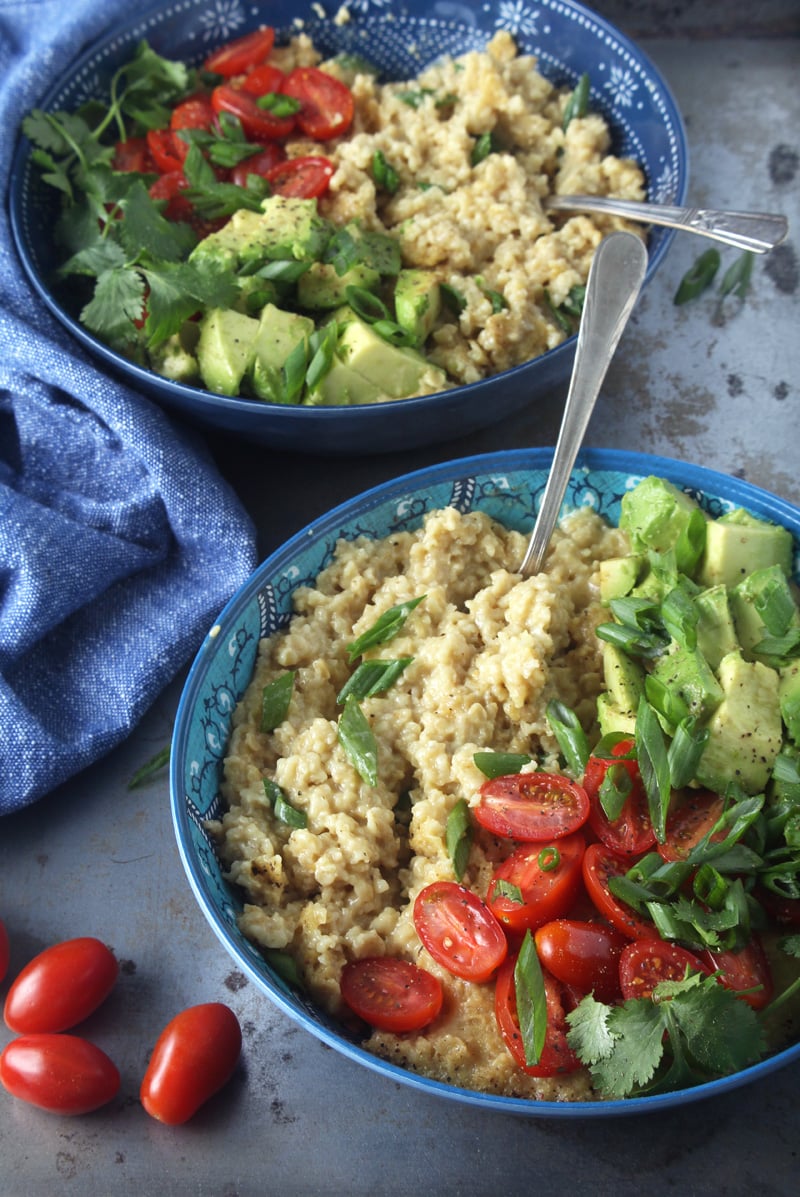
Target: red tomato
x=61, y=1073
x=557, y=1056
x=132, y=155
x=785, y=911
x=546, y=892
x=646, y=962
x=242, y=53
x=391, y=994
x=169, y=187
x=264, y=79
x=194, y=113
x=194, y=1056
x=4, y=950
x=600, y=863
x=258, y=123
x=61, y=986
x=326, y=104
x=167, y=150
x=259, y=164
x=748, y=969
x=689, y=822
x=632, y=831
x=459, y=930
x=532, y=806
x=301, y=178
x=583, y=955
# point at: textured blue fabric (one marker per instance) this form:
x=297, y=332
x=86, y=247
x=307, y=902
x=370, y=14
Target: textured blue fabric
x=119, y=541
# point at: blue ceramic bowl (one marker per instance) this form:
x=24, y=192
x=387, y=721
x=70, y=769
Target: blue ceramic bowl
x=567, y=39
x=507, y=486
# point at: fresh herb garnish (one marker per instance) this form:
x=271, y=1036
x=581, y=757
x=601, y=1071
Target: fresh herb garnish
x=482, y=148
x=578, y=102
x=571, y=737
x=385, y=628
x=373, y=677
x=282, y=807
x=275, y=699
x=150, y=768
x=358, y=741
x=458, y=837
x=385, y=176
x=500, y=764
x=531, y=1001
x=698, y=277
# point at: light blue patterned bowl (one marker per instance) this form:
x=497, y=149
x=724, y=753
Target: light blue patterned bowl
x=568, y=40
x=506, y=485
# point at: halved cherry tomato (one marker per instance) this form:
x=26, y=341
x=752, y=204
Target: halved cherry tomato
x=169, y=187
x=194, y=1056
x=391, y=994
x=632, y=830
x=326, y=104
x=5, y=950
x=532, y=806
x=132, y=155
x=689, y=823
x=645, y=963
x=166, y=149
x=748, y=969
x=258, y=164
x=242, y=53
x=61, y=986
x=557, y=1056
x=194, y=113
x=459, y=930
x=258, y=123
x=301, y=178
x=264, y=79
x=548, y=879
x=600, y=863
x=584, y=955
x=61, y=1073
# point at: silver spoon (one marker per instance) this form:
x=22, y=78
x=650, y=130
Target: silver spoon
x=615, y=279
x=756, y=231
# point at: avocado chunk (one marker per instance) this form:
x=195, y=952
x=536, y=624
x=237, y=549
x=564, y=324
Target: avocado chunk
x=716, y=634
x=745, y=730
x=685, y=674
x=417, y=303
x=225, y=349
x=397, y=372
x=278, y=335
x=789, y=699
x=624, y=678
x=738, y=544
x=285, y=229
x=321, y=288
x=612, y=719
x=341, y=386
x=618, y=576
x=761, y=591
x=655, y=514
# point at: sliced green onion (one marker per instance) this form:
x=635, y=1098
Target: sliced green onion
x=698, y=277
x=651, y=753
x=359, y=744
x=149, y=768
x=284, y=965
x=578, y=102
x=531, y=1001
x=366, y=304
x=282, y=808
x=571, y=737
x=736, y=279
x=372, y=677
x=385, y=176
x=458, y=837
x=322, y=346
x=615, y=790
x=549, y=858
x=275, y=699
x=393, y=333
x=509, y=891
x=385, y=628
x=691, y=542
x=684, y=751
x=293, y=372
x=284, y=270
x=453, y=298
x=483, y=147
x=278, y=104
x=500, y=764
x=679, y=615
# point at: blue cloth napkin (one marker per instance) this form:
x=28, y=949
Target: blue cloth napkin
x=119, y=540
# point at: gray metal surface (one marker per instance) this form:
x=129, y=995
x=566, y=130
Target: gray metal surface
x=95, y=859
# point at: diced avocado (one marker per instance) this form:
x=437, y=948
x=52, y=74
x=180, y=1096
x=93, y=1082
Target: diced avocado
x=396, y=371
x=789, y=699
x=279, y=333
x=654, y=514
x=612, y=719
x=745, y=729
x=341, y=386
x=286, y=228
x=769, y=586
x=417, y=303
x=618, y=576
x=624, y=678
x=365, y=247
x=321, y=288
x=716, y=634
x=686, y=674
x=225, y=349
x=254, y=293
x=738, y=543
x=172, y=360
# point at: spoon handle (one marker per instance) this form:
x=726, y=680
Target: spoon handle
x=756, y=231
x=615, y=278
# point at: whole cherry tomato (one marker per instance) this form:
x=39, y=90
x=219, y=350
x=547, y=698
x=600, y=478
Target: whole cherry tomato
x=583, y=955
x=4, y=950
x=391, y=994
x=61, y=986
x=61, y=1073
x=532, y=806
x=459, y=930
x=194, y=1056
x=241, y=53
x=536, y=883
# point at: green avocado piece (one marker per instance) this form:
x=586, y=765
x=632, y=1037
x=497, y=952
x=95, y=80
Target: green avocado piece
x=789, y=699
x=624, y=678
x=745, y=730
x=613, y=719
x=417, y=303
x=654, y=514
x=397, y=372
x=279, y=333
x=738, y=544
x=341, y=386
x=686, y=674
x=321, y=288
x=285, y=229
x=618, y=576
x=225, y=349
x=716, y=634
x=769, y=585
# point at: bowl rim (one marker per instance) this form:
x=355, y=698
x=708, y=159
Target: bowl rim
x=207, y=402
x=697, y=478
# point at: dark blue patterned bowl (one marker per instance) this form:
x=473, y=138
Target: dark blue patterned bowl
x=568, y=40
x=507, y=486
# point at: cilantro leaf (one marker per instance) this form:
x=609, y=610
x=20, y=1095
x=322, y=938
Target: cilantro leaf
x=146, y=234
x=117, y=302
x=177, y=290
